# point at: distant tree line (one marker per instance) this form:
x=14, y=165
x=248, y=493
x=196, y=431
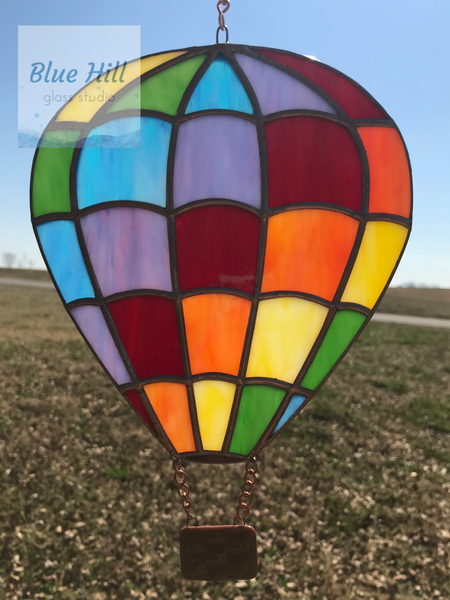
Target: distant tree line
x=10, y=261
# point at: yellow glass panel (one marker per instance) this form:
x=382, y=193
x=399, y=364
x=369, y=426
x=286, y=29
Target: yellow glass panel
x=380, y=248
x=285, y=330
x=83, y=111
x=214, y=400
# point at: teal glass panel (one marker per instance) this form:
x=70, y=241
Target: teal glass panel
x=258, y=405
x=132, y=167
x=292, y=407
x=61, y=248
x=220, y=87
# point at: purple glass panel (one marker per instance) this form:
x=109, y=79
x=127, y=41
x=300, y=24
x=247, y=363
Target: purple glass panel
x=91, y=322
x=129, y=249
x=217, y=157
x=277, y=91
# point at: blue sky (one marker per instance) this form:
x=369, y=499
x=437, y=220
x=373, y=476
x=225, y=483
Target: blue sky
x=398, y=50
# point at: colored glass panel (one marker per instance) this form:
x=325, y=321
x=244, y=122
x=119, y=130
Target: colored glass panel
x=60, y=138
x=125, y=172
x=285, y=331
x=136, y=401
x=61, y=249
x=118, y=133
x=162, y=92
x=217, y=156
x=215, y=328
x=258, y=405
x=217, y=246
x=295, y=403
x=170, y=403
x=380, y=248
x=91, y=322
x=307, y=251
x=277, y=91
x=355, y=101
x=312, y=160
x=342, y=330
x=220, y=87
x=149, y=330
x=94, y=98
x=390, y=183
x=51, y=177
x=129, y=249
x=213, y=400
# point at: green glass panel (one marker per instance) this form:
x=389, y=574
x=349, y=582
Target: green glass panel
x=258, y=405
x=163, y=91
x=341, y=332
x=60, y=138
x=52, y=172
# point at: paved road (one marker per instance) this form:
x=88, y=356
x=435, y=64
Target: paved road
x=378, y=317
x=407, y=320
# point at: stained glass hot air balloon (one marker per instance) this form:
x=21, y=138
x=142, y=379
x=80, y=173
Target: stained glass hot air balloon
x=220, y=269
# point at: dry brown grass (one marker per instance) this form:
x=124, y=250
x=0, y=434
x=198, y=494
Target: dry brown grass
x=34, y=274
x=353, y=500
x=420, y=302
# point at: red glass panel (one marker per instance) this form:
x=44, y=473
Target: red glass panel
x=353, y=99
x=217, y=246
x=149, y=331
x=135, y=400
x=312, y=160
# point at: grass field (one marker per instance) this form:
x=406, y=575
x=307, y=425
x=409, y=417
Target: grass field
x=34, y=274
x=420, y=302
x=353, y=500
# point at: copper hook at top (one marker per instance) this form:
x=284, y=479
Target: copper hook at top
x=222, y=11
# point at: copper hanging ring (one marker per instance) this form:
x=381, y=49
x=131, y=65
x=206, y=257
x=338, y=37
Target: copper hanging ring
x=226, y=34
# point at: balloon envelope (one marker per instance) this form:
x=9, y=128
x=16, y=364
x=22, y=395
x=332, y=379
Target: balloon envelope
x=220, y=226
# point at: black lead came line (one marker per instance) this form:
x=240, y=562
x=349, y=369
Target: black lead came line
x=262, y=247
x=171, y=224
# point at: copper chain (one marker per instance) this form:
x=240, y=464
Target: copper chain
x=222, y=11
x=183, y=489
x=245, y=497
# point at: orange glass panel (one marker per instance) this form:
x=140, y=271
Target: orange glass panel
x=215, y=330
x=170, y=403
x=307, y=251
x=390, y=183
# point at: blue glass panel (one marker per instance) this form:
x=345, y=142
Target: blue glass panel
x=91, y=322
x=123, y=171
x=220, y=87
x=292, y=407
x=62, y=251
